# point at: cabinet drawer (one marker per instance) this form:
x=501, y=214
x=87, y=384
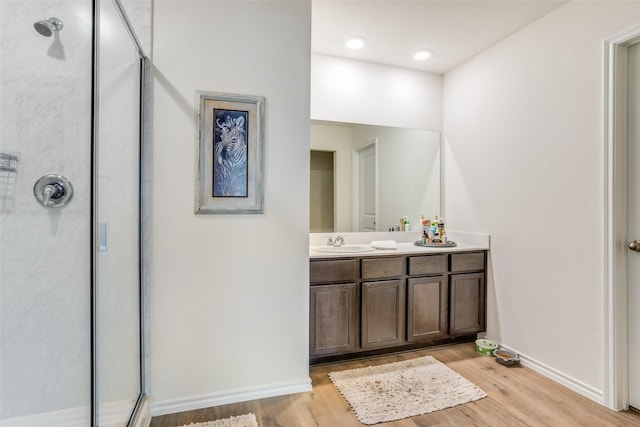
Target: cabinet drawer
x=333, y=271
x=429, y=264
x=473, y=261
x=379, y=268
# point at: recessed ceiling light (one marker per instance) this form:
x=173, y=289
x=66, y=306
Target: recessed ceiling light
x=422, y=55
x=355, y=42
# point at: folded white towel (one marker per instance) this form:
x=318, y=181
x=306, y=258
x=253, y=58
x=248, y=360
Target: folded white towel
x=383, y=244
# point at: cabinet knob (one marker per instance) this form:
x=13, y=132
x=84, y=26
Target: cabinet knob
x=634, y=246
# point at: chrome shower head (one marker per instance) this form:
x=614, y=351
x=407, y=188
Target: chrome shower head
x=48, y=26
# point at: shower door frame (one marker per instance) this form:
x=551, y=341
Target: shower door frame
x=143, y=135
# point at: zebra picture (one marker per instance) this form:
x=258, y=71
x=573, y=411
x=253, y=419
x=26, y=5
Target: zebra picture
x=230, y=153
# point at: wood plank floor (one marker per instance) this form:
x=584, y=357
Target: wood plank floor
x=517, y=396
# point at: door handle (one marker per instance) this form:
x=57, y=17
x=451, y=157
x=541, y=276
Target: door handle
x=634, y=246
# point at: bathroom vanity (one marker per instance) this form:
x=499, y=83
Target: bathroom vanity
x=383, y=301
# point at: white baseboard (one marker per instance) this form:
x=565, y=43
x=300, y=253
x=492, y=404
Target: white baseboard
x=73, y=417
x=111, y=414
x=171, y=406
x=560, y=377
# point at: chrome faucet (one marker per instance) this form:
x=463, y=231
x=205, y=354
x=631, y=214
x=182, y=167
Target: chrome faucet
x=53, y=191
x=338, y=241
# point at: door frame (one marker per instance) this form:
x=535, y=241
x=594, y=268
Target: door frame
x=334, y=170
x=355, y=183
x=616, y=358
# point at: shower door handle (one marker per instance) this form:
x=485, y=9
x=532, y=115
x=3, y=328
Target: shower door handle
x=102, y=236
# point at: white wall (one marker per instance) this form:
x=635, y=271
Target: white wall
x=345, y=90
x=229, y=297
x=140, y=15
x=524, y=162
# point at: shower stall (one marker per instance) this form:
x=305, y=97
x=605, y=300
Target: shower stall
x=73, y=97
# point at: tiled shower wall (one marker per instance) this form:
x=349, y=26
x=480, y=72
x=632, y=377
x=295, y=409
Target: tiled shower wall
x=45, y=108
x=45, y=277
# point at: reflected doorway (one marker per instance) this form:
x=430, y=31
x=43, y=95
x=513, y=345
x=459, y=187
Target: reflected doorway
x=322, y=194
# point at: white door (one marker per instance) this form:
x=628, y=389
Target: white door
x=634, y=224
x=367, y=198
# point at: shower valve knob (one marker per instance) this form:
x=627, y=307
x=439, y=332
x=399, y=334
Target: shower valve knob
x=53, y=191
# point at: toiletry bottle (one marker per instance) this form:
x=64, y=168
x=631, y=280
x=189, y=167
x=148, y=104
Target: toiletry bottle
x=434, y=227
x=401, y=224
x=407, y=224
x=441, y=230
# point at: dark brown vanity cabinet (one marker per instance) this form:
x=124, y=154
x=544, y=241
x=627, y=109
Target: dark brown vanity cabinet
x=333, y=319
x=333, y=308
x=427, y=300
x=468, y=301
x=427, y=297
x=382, y=314
x=388, y=303
x=383, y=302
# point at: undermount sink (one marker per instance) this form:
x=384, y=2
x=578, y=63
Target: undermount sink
x=343, y=249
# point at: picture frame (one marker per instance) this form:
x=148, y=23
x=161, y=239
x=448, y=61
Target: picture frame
x=230, y=153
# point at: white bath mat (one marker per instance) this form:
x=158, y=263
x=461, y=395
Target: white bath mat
x=247, y=420
x=403, y=389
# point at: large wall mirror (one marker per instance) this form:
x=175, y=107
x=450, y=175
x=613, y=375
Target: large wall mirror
x=365, y=178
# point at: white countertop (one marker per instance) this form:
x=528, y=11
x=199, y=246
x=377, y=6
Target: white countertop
x=465, y=242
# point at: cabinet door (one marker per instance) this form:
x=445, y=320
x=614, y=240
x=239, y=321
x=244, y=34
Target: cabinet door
x=382, y=314
x=467, y=310
x=427, y=299
x=333, y=319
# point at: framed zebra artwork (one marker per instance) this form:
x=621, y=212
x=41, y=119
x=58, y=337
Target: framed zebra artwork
x=230, y=160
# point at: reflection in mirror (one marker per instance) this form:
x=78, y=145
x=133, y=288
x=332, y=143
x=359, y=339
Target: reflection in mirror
x=322, y=193
x=365, y=178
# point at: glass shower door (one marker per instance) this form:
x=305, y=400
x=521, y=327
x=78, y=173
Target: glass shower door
x=70, y=347
x=45, y=264
x=117, y=306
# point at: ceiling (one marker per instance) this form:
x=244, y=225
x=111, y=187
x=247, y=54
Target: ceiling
x=454, y=30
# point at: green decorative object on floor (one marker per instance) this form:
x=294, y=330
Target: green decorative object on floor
x=486, y=347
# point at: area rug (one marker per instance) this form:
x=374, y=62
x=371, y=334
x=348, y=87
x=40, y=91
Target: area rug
x=403, y=389
x=247, y=420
